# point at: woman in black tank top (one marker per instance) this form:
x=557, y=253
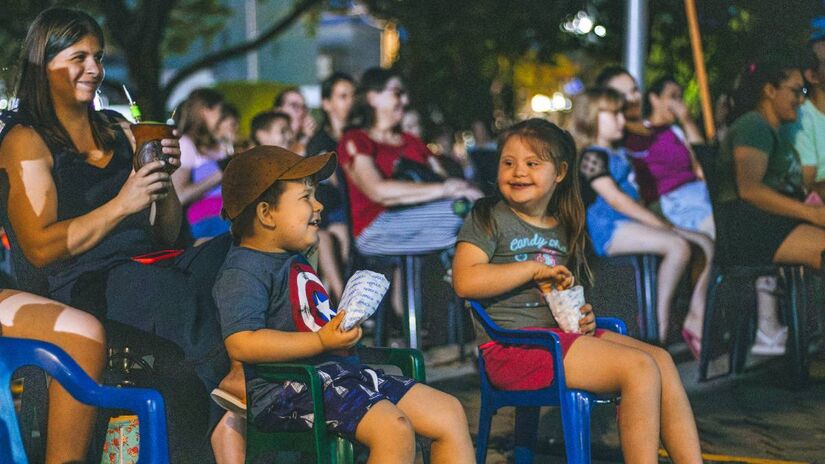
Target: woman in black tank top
x=80, y=214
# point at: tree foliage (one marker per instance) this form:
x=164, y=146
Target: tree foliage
x=143, y=32
x=455, y=50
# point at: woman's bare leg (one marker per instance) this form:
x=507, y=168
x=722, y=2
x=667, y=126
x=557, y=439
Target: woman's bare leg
x=804, y=245
x=82, y=336
x=440, y=417
x=636, y=238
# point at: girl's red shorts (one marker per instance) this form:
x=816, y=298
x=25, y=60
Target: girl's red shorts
x=520, y=367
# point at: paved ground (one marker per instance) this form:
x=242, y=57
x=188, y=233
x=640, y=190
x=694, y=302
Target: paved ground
x=755, y=418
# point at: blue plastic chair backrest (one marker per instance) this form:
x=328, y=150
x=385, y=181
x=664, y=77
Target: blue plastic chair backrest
x=147, y=404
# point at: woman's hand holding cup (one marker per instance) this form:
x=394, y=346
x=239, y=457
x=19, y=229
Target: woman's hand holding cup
x=143, y=187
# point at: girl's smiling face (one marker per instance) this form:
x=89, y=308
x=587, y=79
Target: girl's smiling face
x=525, y=179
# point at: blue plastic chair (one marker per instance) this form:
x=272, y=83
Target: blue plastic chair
x=575, y=404
x=147, y=404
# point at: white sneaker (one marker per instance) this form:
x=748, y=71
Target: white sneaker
x=766, y=345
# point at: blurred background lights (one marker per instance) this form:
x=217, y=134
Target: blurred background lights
x=583, y=24
x=541, y=103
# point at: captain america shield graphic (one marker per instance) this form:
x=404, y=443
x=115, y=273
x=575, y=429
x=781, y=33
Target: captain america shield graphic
x=311, y=308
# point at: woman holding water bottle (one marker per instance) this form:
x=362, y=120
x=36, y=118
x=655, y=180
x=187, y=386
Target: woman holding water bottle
x=86, y=219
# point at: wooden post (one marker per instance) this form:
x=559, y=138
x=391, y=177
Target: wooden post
x=699, y=63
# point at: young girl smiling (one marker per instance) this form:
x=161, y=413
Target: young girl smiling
x=522, y=239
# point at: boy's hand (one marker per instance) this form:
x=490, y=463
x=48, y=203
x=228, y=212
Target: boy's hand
x=333, y=338
x=587, y=324
x=553, y=277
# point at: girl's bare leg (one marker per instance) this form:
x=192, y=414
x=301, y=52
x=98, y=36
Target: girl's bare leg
x=388, y=433
x=634, y=238
x=440, y=417
x=678, y=427
x=696, y=314
x=82, y=336
x=600, y=366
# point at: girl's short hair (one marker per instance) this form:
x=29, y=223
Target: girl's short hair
x=362, y=115
x=554, y=144
x=54, y=30
x=584, y=122
x=190, y=121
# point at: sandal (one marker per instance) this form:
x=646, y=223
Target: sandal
x=229, y=402
x=693, y=342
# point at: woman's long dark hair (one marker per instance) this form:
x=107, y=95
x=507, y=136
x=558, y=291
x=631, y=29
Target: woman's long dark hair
x=54, y=30
x=748, y=92
x=362, y=115
x=550, y=143
x=190, y=121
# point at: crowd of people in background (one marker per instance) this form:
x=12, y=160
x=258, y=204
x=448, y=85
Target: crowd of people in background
x=78, y=215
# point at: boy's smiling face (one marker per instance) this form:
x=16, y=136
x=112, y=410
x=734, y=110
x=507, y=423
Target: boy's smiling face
x=292, y=225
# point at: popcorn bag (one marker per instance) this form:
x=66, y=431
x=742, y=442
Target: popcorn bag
x=362, y=295
x=566, y=307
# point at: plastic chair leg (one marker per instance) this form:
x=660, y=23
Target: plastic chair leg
x=412, y=292
x=485, y=419
x=716, y=281
x=344, y=453
x=797, y=344
x=576, y=426
x=649, y=285
x=527, y=424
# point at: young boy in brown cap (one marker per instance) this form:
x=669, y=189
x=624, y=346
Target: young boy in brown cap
x=274, y=308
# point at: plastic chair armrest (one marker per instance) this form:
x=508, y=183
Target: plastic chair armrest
x=613, y=324
x=410, y=361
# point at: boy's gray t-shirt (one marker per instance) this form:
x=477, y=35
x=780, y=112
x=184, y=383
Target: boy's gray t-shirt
x=281, y=291
x=514, y=240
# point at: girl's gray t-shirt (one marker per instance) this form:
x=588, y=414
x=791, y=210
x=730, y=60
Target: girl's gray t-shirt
x=513, y=240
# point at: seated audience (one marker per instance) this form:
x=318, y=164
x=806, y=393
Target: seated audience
x=82, y=214
x=808, y=132
x=198, y=179
x=762, y=215
x=617, y=222
x=337, y=94
x=274, y=309
x=389, y=216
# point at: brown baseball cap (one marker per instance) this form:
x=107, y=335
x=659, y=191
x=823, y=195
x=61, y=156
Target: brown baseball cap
x=250, y=173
